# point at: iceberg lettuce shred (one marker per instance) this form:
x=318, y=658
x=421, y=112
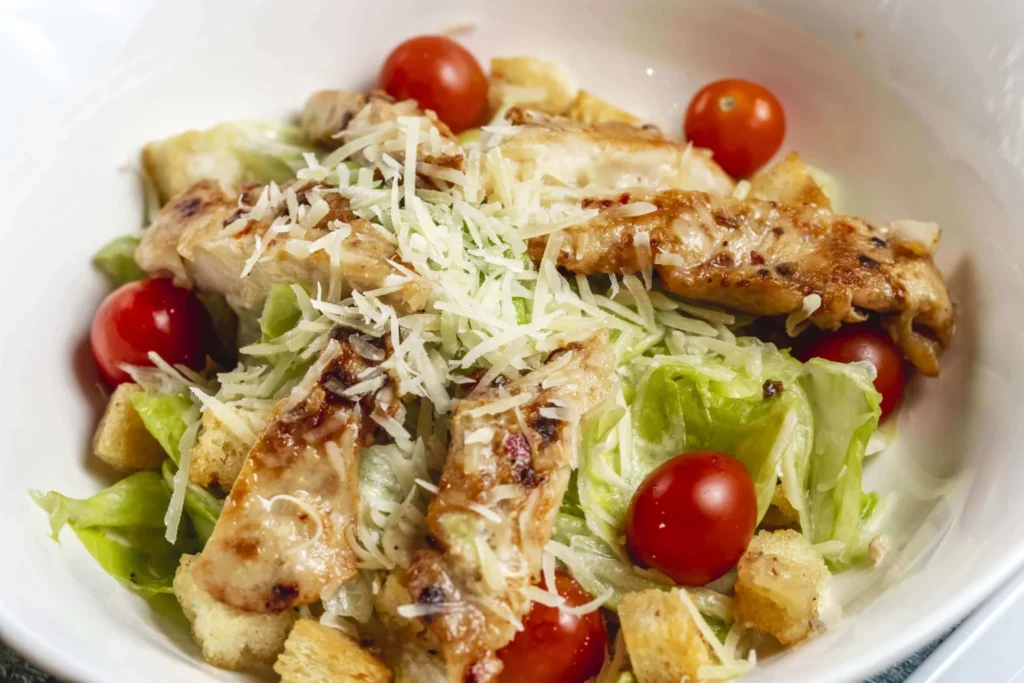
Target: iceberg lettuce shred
x=846, y=413
x=116, y=260
x=806, y=425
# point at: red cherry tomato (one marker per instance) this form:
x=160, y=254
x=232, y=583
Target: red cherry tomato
x=557, y=647
x=439, y=74
x=144, y=316
x=852, y=343
x=741, y=122
x=693, y=517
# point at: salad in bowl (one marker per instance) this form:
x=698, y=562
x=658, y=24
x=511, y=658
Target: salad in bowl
x=478, y=377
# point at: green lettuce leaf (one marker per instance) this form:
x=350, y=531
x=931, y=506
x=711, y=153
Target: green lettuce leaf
x=681, y=409
x=678, y=407
x=138, y=501
x=122, y=527
x=144, y=564
x=163, y=417
x=846, y=413
x=595, y=564
x=280, y=313
x=117, y=260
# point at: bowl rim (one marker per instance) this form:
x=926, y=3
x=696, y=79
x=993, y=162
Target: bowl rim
x=31, y=642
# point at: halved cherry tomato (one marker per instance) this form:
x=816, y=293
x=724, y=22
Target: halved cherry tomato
x=144, y=316
x=692, y=517
x=557, y=647
x=852, y=343
x=741, y=122
x=439, y=74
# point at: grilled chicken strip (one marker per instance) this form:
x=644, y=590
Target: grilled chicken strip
x=282, y=538
x=205, y=236
x=607, y=156
x=764, y=257
x=329, y=114
x=512, y=450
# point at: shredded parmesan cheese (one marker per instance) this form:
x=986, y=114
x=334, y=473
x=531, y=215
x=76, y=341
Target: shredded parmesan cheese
x=796, y=322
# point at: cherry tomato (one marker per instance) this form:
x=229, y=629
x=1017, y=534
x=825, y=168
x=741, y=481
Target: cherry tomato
x=439, y=74
x=740, y=122
x=852, y=343
x=557, y=647
x=144, y=316
x=692, y=517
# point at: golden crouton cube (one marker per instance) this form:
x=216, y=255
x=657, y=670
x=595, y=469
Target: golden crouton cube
x=177, y=163
x=218, y=454
x=228, y=637
x=662, y=639
x=788, y=181
x=591, y=109
x=531, y=83
x=121, y=440
x=781, y=514
x=779, y=585
x=315, y=653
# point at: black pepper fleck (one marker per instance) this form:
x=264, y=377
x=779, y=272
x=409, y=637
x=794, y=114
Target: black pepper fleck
x=867, y=261
x=431, y=595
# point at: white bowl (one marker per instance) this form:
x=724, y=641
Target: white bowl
x=916, y=107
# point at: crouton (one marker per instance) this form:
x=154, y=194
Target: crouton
x=219, y=454
x=531, y=83
x=314, y=653
x=780, y=582
x=121, y=440
x=228, y=637
x=591, y=109
x=393, y=594
x=781, y=514
x=789, y=181
x=663, y=641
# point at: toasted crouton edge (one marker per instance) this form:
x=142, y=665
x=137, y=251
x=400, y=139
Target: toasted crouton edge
x=217, y=456
x=780, y=583
x=789, y=181
x=228, y=637
x=314, y=653
x=591, y=109
x=530, y=73
x=664, y=643
x=121, y=439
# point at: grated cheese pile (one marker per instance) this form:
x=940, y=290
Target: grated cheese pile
x=464, y=232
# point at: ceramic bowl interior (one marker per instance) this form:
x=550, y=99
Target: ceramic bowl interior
x=915, y=108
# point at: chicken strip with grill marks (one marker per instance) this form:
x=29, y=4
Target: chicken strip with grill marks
x=206, y=236
x=512, y=450
x=282, y=538
x=606, y=156
x=328, y=115
x=765, y=257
